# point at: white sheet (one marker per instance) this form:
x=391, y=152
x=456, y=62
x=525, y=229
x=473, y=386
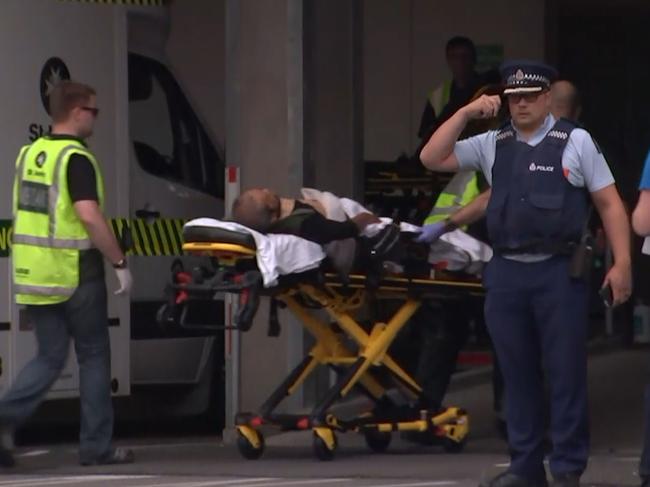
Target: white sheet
x=277, y=254
x=454, y=251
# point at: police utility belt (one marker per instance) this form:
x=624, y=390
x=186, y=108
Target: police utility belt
x=581, y=252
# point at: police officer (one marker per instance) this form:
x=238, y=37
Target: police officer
x=60, y=234
x=541, y=171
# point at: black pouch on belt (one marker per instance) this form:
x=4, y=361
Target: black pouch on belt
x=582, y=258
x=583, y=253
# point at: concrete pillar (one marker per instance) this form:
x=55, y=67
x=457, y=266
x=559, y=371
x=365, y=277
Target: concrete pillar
x=258, y=141
x=293, y=118
x=333, y=101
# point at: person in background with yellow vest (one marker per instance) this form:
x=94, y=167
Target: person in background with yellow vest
x=453, y=93
x=442, y=327
x=60, y=235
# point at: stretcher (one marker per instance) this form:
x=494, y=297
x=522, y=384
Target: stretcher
x=356, y=349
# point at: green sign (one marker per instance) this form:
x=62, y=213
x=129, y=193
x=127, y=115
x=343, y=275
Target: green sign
x=488, y=56
x=5, y=237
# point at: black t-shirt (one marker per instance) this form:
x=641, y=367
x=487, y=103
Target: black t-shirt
x=82, y=186
x=317, y=228
x=82, y=180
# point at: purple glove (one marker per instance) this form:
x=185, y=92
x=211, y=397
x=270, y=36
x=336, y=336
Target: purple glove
x=432, y=232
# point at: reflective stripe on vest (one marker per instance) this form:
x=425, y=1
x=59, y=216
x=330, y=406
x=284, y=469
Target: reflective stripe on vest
x=460, y=191
x=55, y=243
x=44, y=290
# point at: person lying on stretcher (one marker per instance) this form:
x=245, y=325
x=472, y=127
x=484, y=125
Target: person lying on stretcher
x=264, y=211
x=334, y=223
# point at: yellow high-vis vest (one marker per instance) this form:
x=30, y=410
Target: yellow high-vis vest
x=439, y=97
x=461, y=190
x=48, y=235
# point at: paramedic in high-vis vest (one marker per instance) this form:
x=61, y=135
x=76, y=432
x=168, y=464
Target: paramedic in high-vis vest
x=444, y=326
x=61, y=239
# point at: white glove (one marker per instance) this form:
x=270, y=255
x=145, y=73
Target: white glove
x=126, y=280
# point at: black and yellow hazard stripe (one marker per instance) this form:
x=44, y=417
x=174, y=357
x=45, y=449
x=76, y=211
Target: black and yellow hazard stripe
x=162, y=236
x=148, y=3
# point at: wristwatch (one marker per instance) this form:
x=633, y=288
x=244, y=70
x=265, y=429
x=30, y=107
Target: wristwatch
x=449, y=225
x=120, y=265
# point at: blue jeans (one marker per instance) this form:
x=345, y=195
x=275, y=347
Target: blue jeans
x=84, y=318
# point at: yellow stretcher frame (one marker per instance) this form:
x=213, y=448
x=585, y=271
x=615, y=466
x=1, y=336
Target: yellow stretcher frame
x=340, y=301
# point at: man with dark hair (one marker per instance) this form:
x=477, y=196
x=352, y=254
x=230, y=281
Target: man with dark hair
x=264, y=211
x=60, y=236
x=453, y=93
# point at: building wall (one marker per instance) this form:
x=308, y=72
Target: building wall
x=404, y=57
x=196, y=52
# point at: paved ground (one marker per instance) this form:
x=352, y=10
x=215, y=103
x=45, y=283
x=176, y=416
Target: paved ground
x=616, y=390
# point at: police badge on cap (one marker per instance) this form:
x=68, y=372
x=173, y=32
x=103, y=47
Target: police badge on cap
x=526, y=76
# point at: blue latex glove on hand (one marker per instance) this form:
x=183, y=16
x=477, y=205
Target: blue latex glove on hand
x=432, y=232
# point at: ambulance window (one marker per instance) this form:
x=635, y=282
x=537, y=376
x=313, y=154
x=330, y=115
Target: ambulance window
x=168, y=139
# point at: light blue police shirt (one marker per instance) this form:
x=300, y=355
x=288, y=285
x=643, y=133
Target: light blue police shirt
x=582, y=162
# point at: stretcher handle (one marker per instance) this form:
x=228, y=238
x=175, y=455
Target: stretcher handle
x=249, y=299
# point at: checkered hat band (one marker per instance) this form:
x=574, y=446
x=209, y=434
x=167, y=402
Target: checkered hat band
x=527, y=79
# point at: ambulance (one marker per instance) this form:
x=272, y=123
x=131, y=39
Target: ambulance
x=160, y=167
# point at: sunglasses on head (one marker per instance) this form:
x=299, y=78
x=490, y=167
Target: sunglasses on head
x=93, y=110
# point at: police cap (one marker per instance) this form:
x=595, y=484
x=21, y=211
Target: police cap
x=526, y=76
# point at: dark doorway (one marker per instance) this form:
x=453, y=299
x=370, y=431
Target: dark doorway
x=604, y=48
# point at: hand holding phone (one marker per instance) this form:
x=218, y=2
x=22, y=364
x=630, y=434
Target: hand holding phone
x=607, y=295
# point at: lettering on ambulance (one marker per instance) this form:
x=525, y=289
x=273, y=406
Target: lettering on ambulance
x=37, y=130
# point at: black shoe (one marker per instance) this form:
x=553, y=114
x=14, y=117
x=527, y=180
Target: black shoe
x=566, y=480
x=6, y=458
x=114, y=457
x=509, y=479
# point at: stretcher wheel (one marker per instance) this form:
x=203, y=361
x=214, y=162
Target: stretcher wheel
x=377, y=441
x=325, y=444
x=453, y=446
x=246, y=447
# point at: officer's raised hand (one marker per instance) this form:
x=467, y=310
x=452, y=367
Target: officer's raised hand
x=619, y=279
x=483, y=107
